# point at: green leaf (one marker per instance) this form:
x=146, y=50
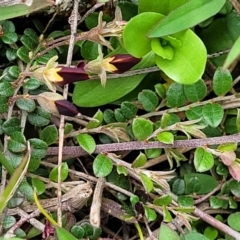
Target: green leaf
x=234, y=187
x=142, y=128
x=39, y=185
x=23, y=54
x=102, y=165
x=89, y=50
x=211, y=232
x=8, y=222
x=68, y=128
x=165, y=137
x=153, y=153
x=63, y=234
x=139, y=26
x=222, y=82
x=9, y=37
x=160, y=90
x=39, y=117
x=87, y=142
x=166, y=233
x=11, y=54
x=11, y=73
x=195, y=236
x=195, y=92
x=122, y=170
x=53, y=176
x=167, y=217
x=213, y=114
x=3, y=104
x=119, y=115
x=216, y=202
x=17, y=142
x=99, y=117
x=188, y=15
x=119, y=180
x=139, y=161
x=163, y=200
x=49, y=134
x=32, y=84
x=29, y=39
x=185, y=201
x=108, y=116
x=77, y=231
x=150, y=214
x=8, y=26
x=26, y=104
x=128, y=109
x=38, y=148
x=175, y=95
x=188, y=63
x=232, y=55
x=92, y=94
x=199, y=183
x=148, y=99
x=11, y=125
x=203, y=160
x=147, y=182
x=6, y=89
x=178, y=186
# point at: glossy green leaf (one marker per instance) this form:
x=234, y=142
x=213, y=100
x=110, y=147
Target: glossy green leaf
x=39, y=117
x=139, y=26
x=203, y=160
x=167, y=217
x=89, y=50
x=188, y=63
x=108, y=116
x=8, y=222
x=6, y=89
x=11, y=54
x=232, y=55
x=165, y=137
x=11, y=73
x=128, y=109
x=234, y=187
x=222, y=82
x=11, y=125
x=195, y=92
x=26, y=104
x=99, y=118
x=153, y=153
x=23, y=54
x=142, y=128
x=185, y=201
x=9, y=37
x=147, y=182
x=53, y=176
x=63, y=234
x=92, y=94
x=175, y=95
x=160, y=90
x=17, y=142
x=102, y=165
x=178, y=186
x=212, y=114
x=148, y=99
x=29, y=39
x=166, y=233
x=118, y=114
x=163, y=200
x=188, y=15
x=210, y=232
x=8, y=26
x=150, y=214
x=207, y=183
x=216, y=202
x=49, y=134
x=39, y=185
x=87, y=142
x=139, y=161
x=32, y=84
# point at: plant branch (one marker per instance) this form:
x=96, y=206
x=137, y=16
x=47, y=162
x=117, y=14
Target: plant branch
x=137, y=145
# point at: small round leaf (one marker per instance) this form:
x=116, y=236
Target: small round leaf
x=142, y=128
x=203, y=160
x=195, y=92
x=148, y=99
x=175, y=95
x=165, y=137
x=49, y=134
x=54, y=173
x=102, y=165
x=87, y=142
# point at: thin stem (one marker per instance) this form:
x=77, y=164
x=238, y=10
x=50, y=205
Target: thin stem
x=137, y=145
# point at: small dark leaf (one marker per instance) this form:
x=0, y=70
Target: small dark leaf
x=175, y=95
x=148, y=99
x=23, y=54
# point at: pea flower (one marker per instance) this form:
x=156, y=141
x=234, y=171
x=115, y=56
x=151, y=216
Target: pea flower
x=52, y=74
x=118, y=63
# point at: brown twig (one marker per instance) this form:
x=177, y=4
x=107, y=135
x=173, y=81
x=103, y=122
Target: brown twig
x=137, y=145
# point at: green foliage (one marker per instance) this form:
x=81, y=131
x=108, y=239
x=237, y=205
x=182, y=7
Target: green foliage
x=86, y=142
x=102, y=165
x=54, y=173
